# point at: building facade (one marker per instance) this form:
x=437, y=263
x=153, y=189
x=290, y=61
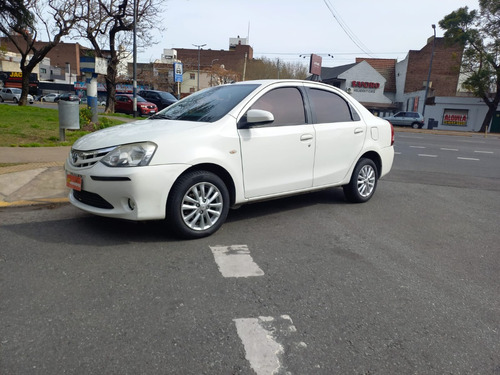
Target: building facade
x=386, y=86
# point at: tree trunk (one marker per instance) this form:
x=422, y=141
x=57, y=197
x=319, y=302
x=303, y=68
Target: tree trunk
x=25, y=85
x=492, y=107
x=487, y=120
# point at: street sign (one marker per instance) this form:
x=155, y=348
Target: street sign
x=178, y=72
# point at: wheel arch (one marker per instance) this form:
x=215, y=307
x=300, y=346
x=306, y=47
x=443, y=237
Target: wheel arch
x=375, y=157
x=221, y=172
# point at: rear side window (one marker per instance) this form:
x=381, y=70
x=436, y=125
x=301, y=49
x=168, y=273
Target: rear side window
x=286, y=105
x=329, y=107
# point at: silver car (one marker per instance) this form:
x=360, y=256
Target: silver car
x=413, y=119
x=13, y=94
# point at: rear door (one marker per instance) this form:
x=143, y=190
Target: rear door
x=340, y=136
x=278, y=157
x=122, y=104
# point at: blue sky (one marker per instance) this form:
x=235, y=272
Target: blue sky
x=287, y=28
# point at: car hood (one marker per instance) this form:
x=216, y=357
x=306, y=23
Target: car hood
x=137, y=131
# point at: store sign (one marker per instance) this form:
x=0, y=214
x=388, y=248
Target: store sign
x=315, y=64
x=365, y=85
x=455, y=117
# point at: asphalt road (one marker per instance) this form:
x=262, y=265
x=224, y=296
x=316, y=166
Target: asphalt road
x=406, y=283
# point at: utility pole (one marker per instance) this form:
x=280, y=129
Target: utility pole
x=199, y=48
x=134, y=90
x=430, y=70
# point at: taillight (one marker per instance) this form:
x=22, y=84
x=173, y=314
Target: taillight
x=392, y=133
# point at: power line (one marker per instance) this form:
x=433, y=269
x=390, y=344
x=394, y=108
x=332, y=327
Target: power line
x=346, y=29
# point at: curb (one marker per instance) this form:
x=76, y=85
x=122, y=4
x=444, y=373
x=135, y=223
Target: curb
x=34, y=202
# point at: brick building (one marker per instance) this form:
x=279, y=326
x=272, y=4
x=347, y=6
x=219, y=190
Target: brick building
x=232, y=59
x=62, y=57
x=386, y=86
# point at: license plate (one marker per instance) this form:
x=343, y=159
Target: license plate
x=74, y=182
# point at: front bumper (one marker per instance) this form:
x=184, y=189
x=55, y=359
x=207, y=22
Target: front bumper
x=133, y=193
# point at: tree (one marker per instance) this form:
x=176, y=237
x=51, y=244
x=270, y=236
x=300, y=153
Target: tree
x=479, y=34
x=109, y=23
x=21, y=21
x=271, y=69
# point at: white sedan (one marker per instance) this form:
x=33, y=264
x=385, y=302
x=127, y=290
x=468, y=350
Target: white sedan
x=229, y=145
x=49, y=97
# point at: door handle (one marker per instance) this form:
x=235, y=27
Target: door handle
x=306, y=137
x=358, y=130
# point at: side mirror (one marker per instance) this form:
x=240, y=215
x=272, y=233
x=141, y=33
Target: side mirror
x=256, y=117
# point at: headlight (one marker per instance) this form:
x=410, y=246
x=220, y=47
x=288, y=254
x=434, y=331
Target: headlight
x=132, y=155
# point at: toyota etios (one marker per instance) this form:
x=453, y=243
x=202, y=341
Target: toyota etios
x=228, y=145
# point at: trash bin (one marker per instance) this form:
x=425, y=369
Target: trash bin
x=431, y=124
x=69, y=114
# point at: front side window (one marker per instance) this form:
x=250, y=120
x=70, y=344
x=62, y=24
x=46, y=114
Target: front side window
x=207, y=105
x=329, y=107
x=286, y=105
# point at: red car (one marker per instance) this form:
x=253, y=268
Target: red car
x=124, y=103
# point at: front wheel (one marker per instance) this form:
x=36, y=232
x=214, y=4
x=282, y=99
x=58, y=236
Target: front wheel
x=363, y=182
x=197, y=204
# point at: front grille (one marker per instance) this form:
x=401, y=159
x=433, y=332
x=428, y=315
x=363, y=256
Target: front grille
x=83, y=159
x=92, y=199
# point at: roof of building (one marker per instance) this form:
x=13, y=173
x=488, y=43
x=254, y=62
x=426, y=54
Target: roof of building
x=330, y=73
x=386, y=67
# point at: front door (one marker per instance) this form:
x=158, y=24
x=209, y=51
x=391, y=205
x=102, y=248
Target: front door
x=278, y=157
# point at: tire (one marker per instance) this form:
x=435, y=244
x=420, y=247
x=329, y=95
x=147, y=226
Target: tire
x=1, y=99
x=363, y=182
x=415, y=125
x=15, y=100
x=197, y=205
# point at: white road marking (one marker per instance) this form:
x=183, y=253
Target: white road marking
x=261, y=350
x=427, y=156
x=418, y=147
x=235, y=261
x=264, y=339
x=449, y=149
x=473, y=159
x=484, y=152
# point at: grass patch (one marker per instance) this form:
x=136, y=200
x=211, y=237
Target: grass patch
x=30, y=126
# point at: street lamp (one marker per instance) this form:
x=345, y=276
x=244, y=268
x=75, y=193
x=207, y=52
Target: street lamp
x=430, y=69
x=199, y=47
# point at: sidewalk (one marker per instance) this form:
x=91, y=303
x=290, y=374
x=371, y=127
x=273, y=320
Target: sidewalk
x=36, y=176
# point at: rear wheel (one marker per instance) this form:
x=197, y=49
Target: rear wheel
x=415, y=125
x=198, y=204
x=363, y=182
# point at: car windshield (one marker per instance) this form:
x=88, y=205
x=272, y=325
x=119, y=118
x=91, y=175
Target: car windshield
x=208, y=105
x=167, y=95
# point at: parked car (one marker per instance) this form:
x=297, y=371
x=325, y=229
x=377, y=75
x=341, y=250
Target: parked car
x=50, y=97
x=68, y=97
x=413, y=119
x=229, y=145
x=162, y=99
x=13, y=94
x=124, y=103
